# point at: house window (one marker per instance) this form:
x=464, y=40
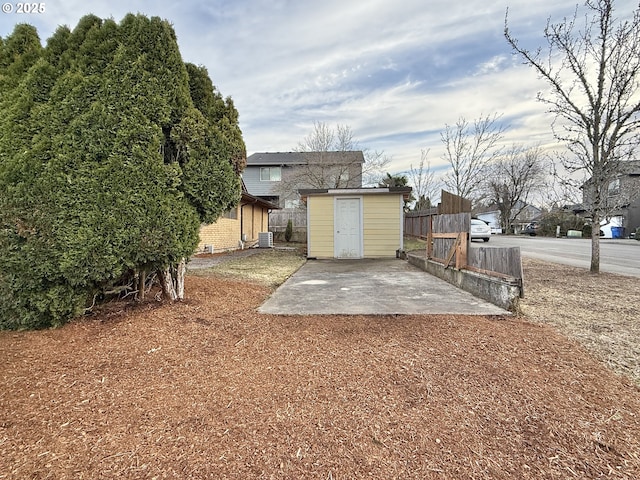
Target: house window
x=270, y=174
x=614, y=187
x=231, y=214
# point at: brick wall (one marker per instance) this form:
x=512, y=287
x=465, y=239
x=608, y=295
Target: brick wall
x=224, y=234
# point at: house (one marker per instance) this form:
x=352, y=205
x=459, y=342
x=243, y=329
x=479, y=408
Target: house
x=622, y=200
x=239, y=227
x=277, y=177
x=526, y=214
x=355, y=222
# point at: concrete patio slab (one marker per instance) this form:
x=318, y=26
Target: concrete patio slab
x=375, y=287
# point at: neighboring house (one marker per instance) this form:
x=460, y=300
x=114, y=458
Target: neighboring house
x=355, y=222
x=623, y=196
x=239, y=227
x=277, y=177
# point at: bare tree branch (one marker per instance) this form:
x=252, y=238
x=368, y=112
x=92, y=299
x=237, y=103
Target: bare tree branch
x=512, y=180
x=468, y=149
x=594, y=79
x=422, y=180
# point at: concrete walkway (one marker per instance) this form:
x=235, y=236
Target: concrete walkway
x=371, y=287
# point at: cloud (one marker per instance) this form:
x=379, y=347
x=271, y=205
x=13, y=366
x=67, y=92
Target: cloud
x=396, y=71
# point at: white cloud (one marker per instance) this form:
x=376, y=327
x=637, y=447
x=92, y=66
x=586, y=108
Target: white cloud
x=396, y=71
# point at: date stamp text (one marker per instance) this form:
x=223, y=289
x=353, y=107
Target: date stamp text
x=22, y=8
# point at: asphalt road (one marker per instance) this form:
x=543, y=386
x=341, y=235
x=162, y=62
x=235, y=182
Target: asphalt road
x=616, y=256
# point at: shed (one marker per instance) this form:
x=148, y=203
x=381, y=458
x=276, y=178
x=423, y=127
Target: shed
x=355, y=222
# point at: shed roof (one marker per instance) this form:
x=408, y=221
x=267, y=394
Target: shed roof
x=404, y=191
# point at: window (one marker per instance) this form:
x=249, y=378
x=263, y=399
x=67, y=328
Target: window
x=231, y=214
x=270, y=174
x=614, y=187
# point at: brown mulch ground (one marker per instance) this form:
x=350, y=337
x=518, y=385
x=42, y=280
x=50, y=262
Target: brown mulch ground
x=208, y=388
x=601, y=311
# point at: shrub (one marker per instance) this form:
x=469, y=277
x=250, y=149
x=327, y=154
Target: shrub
x=567, y=221
x=288, y=233
x=113, y=151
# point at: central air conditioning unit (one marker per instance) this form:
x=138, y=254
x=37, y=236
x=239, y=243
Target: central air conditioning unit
x=265, y=239
x=208, y=249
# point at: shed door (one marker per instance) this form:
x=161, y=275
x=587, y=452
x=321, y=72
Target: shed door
x=348, y=234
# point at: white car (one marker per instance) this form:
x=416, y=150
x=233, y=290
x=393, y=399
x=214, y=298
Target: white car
x=480, y=230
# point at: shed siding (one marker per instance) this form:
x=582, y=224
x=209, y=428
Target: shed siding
x=381, y=220
x=382, y=225
x=320, y=227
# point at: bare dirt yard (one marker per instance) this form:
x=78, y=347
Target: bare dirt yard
x=209, y=388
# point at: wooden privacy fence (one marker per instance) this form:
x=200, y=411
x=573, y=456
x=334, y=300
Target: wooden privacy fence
x=416, y=224
x=448, y=243
x=448, y=238
x=278, y=219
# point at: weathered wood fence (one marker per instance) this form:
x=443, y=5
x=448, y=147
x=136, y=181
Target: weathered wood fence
x=278, y=219
x=448, y=243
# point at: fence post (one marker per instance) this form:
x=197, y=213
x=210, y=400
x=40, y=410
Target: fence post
x=461, y=258
x=430, y=236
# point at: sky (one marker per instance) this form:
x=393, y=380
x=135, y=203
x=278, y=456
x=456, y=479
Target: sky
x=397, y=72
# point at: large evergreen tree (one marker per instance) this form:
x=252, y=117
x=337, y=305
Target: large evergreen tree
x=112, y=152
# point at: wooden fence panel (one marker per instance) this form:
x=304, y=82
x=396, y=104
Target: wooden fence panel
x=455, y=223
x=504, y=260
x=451, y=204
x=449, y=229
x=278, y=219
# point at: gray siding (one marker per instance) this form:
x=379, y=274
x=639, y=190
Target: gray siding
x=255, y=186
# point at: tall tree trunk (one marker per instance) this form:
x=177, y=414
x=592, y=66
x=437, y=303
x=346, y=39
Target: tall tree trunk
x=180, y=272
x=595, y=244
x=166, y=282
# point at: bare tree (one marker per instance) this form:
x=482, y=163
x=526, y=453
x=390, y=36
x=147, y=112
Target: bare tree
x=561, y=190
x=512, y=180
x=468, y=149
x=422, y=179
x=375, y=162
x=593, y=72
x=332, y=160
x=323, y=139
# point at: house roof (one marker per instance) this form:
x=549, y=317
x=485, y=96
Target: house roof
x=303, y=158
x=276, y=158
x=305, y=192
x=248, y=199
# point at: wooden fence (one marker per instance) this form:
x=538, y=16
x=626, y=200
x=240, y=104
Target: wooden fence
x=278, y=219
x=416, y=224
x=448, y=243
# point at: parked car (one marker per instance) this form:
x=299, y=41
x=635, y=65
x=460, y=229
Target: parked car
x=480, y=230
x=531, y=229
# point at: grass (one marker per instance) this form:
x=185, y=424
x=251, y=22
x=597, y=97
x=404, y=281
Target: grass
x=269, y=267
x=412, y=243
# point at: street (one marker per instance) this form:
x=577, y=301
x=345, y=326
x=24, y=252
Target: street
x=616, y=256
